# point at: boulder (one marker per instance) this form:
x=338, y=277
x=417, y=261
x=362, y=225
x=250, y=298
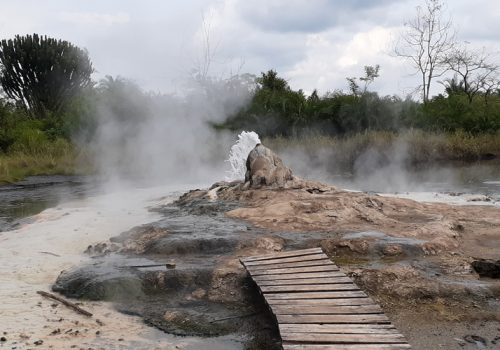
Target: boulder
x=265, y=168
x=487, y=268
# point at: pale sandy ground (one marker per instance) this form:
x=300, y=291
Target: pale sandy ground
x=434, y=197
x=25, y=267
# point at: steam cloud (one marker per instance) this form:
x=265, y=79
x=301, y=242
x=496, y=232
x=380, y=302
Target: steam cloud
x=166, y=139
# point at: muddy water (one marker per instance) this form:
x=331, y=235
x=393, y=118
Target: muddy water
x=478, y=178
x=23, y=199
x=31, y=196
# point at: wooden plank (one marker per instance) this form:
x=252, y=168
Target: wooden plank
x=371, y=318
x=337, y=328
x=317, y=306
x=323, y=280
x=342, y=338
x=334, y=310
x=346, y=346
x=291, y=264
x=323, y=302
x=316, y=295
x=282, y=254
x=280, y=276
x=296, y=270
x=308, y=288
x=276, y=277
x=310, y=257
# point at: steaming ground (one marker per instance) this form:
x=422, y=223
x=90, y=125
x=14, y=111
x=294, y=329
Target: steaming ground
x=32, y=256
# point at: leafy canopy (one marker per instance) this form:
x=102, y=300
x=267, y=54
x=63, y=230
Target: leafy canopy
x=43, y=74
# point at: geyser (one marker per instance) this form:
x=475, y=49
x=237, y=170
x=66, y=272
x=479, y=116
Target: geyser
x=238, y=154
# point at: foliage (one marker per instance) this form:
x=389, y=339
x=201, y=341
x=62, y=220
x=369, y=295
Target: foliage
x=421, y=147
x=27, y=147
x=474, y=70
x=43, y=74
x=278, y=110
x=457, y=112
x=58, y=157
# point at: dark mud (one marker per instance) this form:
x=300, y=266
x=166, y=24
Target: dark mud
x=20, y=200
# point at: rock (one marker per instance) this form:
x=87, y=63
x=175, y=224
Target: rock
x=392, y=250
x=476, y=339
x=487, y=268
x=199, y=293
x=264, y=167
x=270, y=243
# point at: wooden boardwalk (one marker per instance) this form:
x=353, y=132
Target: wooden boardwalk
x=318, y=307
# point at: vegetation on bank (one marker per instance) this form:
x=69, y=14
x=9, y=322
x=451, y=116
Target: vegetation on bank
x=37, y=147
x=278, y=110
x=18, y=165
x=413, y=148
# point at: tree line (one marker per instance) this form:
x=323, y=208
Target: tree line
x=47, y=91
x=278, y=110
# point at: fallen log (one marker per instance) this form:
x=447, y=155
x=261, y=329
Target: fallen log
x=65, y=302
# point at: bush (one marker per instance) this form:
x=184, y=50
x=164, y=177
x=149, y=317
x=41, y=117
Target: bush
x=277, y=110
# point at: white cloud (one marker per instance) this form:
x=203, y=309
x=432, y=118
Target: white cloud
x=313, y=44
x=93, y=18
x=332, y=56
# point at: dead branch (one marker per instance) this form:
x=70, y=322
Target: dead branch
x=167, y=265
x=65, y=302
x=49, y=253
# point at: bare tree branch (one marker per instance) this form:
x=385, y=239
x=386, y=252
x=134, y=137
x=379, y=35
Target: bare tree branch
x=428, y=38
x=475, y=70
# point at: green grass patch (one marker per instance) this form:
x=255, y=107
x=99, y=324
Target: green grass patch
x=57, y=157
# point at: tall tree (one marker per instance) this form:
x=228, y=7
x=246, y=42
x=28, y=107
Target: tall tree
x=426, y=41
x=43, y=73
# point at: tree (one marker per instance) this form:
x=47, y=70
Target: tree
x=453, y=86
x=475, y=70
x=271, y=81
x=427, y=40
x=42, y=73
x=371, y=72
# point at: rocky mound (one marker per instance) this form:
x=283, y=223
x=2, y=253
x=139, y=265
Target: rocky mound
x=265, y=168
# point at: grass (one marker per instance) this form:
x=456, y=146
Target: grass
x=414, y=147
x=51, y=158
x=417, y=146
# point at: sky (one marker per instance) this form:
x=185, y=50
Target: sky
x=314, y=44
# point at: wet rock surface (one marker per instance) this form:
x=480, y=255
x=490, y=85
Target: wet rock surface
x=205, y=292
x=487, y=268
x=413, y=258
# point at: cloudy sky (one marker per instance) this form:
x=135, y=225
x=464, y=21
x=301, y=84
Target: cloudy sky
x=313, y=43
